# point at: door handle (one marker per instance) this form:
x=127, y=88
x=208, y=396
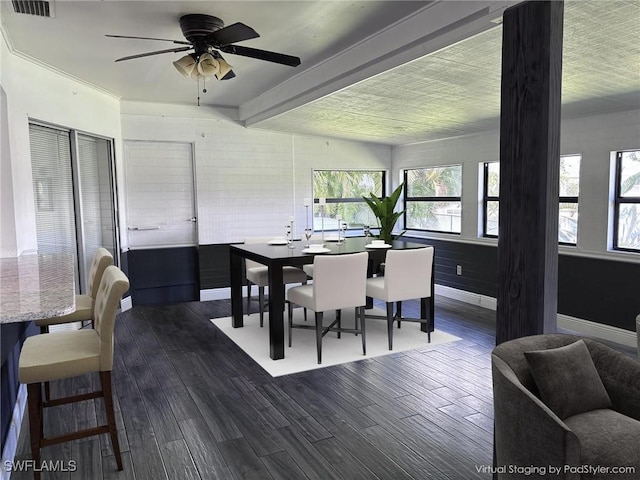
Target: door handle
x=192, y=219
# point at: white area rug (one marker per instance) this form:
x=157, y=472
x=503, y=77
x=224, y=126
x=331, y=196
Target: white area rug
x=302, y=354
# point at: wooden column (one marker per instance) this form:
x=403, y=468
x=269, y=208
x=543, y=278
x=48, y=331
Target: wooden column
x=529, y=169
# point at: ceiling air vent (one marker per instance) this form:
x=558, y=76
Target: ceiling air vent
x=41, y=8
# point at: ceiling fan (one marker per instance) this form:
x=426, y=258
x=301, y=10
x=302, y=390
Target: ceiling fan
x=207, y=36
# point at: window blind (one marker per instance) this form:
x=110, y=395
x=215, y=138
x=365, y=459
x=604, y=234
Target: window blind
x=53, y=189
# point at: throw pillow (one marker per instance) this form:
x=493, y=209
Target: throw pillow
x=567, y=379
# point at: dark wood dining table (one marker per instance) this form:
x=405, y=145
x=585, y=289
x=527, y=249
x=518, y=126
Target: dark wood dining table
x=275, y=257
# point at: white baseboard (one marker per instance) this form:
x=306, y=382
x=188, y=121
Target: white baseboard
x=225, y=293
x=218, y=293
x=11, y=443
x=483, y=301
x=126, y=304
x=598, y=330
x=584, y=327
x=579, y=325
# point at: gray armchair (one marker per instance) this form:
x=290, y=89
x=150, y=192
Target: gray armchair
x=532, y=437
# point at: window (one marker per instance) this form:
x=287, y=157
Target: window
x=568, y=199
x=569, y=191
x=491, y=205
x=626, y=226
x=343, y=191
x=433, y=199
x=53, y=189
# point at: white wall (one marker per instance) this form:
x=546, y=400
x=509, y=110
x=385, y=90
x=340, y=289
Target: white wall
x=8, y=245
x=36, y=92
x=249, y=181
x=593, y=137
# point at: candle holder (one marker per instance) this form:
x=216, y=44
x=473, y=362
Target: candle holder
x=287, y=234
x=307, y=231
x=306, y=216
x=322, y=202
x=367, y=234
x=307, y=204
x=343, y=229
x=291, y=230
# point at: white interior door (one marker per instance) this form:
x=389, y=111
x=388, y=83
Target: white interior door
x=160, y=194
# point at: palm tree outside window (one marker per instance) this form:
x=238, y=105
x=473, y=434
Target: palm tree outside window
x=343, y=191
x=433, y=199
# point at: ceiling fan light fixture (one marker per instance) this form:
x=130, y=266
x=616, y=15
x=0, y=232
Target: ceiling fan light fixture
x=205, y=35
x=195, y=75
x=208, y=66
x=225, y=70
x=186, y=65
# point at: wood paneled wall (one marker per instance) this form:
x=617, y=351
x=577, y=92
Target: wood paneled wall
x=598, y=290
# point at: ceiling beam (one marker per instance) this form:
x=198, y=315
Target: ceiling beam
x=432, y=28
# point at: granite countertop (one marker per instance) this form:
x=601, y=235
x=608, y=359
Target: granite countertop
x=36, y=286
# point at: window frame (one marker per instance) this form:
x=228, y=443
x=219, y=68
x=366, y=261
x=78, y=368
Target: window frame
x=489, y=198
x=618, y=200
x=406, y=198
x=570, y=199
x=316, y=199
x=486, y=198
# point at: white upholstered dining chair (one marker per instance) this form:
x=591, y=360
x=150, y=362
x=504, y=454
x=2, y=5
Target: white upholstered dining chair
x=407, y=275
x=67, y=354
x=84, y=303
x=339, y=282
x=258, y=274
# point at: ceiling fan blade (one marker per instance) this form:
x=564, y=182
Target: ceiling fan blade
x=237, y=32
x=158, y=52
x=262, y=55
x=229, y=76
x=179, y=42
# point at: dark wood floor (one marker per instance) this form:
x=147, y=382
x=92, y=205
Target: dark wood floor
x=192, y=405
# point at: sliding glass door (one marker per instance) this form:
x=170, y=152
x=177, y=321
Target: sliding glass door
x=95, y=204
x=74, y=195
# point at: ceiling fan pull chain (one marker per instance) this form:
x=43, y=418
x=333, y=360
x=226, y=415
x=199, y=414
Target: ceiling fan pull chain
x=198, y=88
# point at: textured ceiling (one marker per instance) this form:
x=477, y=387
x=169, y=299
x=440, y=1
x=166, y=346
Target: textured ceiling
x=451, y=92
x=456, y=91
x=74, y=41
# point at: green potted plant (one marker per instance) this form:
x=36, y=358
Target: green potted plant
x=383, y=209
